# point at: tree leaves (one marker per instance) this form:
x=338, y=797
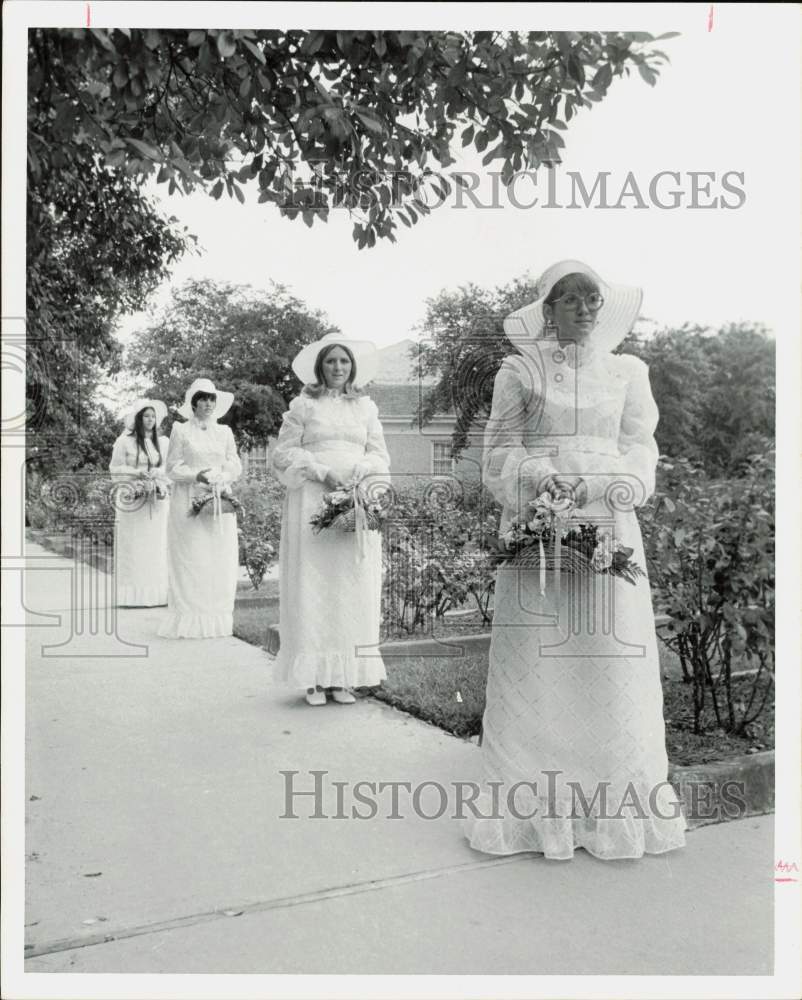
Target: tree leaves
x=647, y=74
x=603, y=78
x=242, y=339
x=255, y=50
x=372, y=122
x=145, y=149
x=226, y=44
x=96, y=248
x=201, y=103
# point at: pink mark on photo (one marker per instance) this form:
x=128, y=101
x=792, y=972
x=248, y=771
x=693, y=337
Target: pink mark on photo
x=88, y=17
x=785, y=867
x=710, y=18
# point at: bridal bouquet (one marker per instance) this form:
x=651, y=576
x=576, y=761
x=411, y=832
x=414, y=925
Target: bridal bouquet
x=153, y=486
x=214, y=498
x=341, y=508
x=552, y=534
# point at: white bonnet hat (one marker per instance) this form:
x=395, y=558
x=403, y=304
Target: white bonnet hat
x=224, y=399
x=365, y=355
x=129, y=414
x=613, y=322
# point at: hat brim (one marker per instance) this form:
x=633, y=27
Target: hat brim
x=225, y=401
x=613, y=321
x=365, y=355
x=156, y=405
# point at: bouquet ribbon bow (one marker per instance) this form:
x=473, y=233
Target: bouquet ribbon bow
x=216, y=487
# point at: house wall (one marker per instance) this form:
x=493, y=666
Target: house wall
x=410, y=449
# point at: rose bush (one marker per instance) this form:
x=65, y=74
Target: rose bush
x=710, y=550
x=437, y=554
x=262, y=499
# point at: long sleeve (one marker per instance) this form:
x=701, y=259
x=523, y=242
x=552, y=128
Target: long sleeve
x=293, y=464
x=177, y=468
x=377, y=459
x=119, y=466
x=164, y=449
x=232, y=466
x=636, y=442
x=511, y=470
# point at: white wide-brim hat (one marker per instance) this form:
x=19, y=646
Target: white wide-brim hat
x=365, y=355
x=129, y=414
x=613, y=321
x=224, y=399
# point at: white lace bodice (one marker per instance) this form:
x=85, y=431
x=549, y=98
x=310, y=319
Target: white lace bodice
x=315, y=429
x=596, y=420
x=127, y=461
x=195, y=446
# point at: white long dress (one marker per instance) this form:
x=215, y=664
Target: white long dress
x=574, y=698
x=202, y=550
x=140, y=542
x=329, y=596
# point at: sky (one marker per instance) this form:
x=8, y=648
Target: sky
x=699, y=265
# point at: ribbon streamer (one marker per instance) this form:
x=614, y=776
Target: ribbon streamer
x=557, y=556
x=218, y=506
x=360, y=525
x=542, y=555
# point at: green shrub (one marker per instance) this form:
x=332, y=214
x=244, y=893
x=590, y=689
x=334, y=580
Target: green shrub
x=436, y=554
x=79, y=502
x=710, y=549
x=262, y=498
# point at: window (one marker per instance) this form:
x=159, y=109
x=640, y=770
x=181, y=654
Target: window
x=442, y=462
x=254, y=462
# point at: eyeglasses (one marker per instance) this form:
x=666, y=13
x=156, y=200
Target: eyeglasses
x=594, y=301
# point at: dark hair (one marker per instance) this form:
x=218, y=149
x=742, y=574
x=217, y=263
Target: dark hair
x=319, y=386
x=140, y=435
x=576, y=282
x=198, y=396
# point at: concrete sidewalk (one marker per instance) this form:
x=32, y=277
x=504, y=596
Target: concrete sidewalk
x=155, y=800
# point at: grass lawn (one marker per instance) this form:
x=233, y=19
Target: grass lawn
x=254, y=610
x=450, y=693
x=267, y=589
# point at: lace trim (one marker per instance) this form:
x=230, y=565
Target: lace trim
x=305, y=670
x=550, y=829
x=194, y=626
x=141, y=597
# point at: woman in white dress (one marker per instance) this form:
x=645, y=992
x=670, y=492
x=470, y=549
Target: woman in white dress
x=202, y=549
x=329, y=587
x=141, y=506
x=573, y=735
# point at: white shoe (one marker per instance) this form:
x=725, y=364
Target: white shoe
x=315, y=697
x=342, y=696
